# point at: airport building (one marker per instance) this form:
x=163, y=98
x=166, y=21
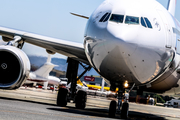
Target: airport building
x=92, y=80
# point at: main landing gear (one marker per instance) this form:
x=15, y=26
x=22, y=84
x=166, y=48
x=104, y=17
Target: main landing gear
x=66, y=95
x=119, y=107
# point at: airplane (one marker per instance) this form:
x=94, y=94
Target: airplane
x=125, y=41
x=41, y=75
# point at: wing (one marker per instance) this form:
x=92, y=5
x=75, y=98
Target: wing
x=70, y=49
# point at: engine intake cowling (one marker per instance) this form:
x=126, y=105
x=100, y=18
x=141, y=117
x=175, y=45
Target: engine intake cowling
x=14, y=67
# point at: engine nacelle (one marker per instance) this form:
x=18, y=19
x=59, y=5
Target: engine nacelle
x=14, y=67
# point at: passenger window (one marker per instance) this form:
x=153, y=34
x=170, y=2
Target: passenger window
x=148, y=23
x=117, y=18
x=105, y=17
x=132, y=20
x=143, y=22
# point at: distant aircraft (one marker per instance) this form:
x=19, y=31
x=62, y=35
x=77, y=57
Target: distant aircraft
x=125, y=41
x=41, y=75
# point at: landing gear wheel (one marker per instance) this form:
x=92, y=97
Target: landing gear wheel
x=112, y=109
x=62, y=97
x=80, y=99
x=124, y=110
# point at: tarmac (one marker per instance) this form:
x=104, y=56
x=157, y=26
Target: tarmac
x=95, y=104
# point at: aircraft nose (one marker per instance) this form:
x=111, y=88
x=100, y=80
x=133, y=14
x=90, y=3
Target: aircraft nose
x=130, y=57
x=122, y=41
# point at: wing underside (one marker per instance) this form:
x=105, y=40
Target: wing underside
x=70, y=49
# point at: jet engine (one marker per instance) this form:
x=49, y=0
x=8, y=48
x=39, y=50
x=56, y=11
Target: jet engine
x=14, y=67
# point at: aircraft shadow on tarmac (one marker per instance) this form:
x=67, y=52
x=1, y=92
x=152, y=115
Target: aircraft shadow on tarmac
x=97, y=112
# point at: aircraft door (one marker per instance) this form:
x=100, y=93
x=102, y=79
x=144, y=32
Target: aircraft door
x=167, y=28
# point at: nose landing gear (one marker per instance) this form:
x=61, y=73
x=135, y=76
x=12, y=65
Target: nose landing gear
x=122, y=108
x=112, y=108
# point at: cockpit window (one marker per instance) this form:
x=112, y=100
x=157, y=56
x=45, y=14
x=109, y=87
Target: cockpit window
x=132, y=20
x=143, y=22
x=148, y=23
x=117, y=18
x=105, y=17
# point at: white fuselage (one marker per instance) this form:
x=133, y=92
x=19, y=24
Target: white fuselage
x=120, y=47
x=52, y=80
x=33, y=78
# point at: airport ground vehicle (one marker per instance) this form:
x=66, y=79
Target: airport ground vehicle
x=172, y=103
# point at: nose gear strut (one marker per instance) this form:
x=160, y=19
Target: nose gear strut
x=121, y=107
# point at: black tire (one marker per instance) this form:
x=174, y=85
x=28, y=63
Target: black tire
x=80, y=99
x=112, y=109
x=62, y=97
x=124, y=111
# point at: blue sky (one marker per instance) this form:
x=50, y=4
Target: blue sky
x=51, y=18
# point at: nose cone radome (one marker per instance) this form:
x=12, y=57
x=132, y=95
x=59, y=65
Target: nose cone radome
x=122, y=40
